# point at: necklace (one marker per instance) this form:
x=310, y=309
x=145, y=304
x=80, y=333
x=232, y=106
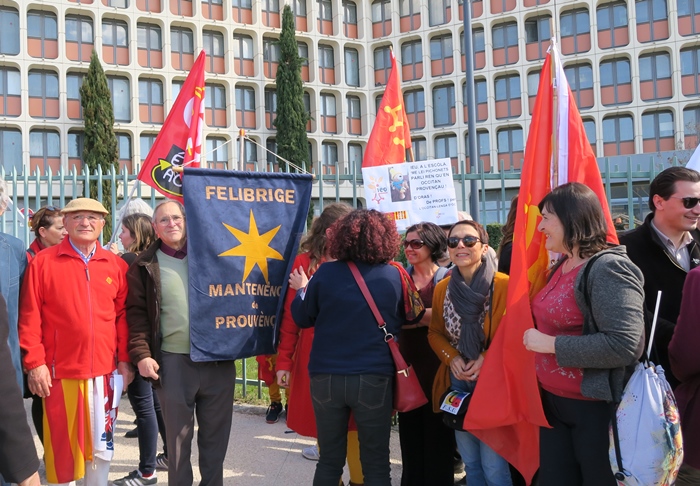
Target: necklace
x=569, y=264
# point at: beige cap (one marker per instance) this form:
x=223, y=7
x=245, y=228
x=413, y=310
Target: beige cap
x=84, y=204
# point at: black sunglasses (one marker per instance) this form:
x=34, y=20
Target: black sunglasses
x=468, y=241
x=414, y=244
x=688, y=202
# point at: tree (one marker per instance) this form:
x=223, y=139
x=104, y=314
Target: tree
x=100, y=145
x=292, y=117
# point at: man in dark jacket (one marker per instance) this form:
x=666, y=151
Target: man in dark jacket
x=665, y=248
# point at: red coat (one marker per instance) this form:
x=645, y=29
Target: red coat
x=72, y=315
x=34, y=248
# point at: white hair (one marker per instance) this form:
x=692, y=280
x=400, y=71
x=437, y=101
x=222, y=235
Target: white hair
x=4, y=198
x=138, y=205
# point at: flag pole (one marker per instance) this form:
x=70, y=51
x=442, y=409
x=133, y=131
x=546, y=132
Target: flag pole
x=241, y=149
x=471, y=109
x=120, y=216
x=554, y=182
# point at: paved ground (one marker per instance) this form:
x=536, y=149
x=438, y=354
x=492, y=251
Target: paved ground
x=259, y=454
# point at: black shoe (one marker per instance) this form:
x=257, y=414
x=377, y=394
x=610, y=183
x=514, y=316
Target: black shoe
x=273, y=412
x=461, y=482
x=132, y=434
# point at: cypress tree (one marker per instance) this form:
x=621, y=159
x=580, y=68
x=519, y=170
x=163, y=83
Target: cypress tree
x=100, y=146
x=291, y=117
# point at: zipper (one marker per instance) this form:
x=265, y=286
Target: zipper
x=92, y=324
x=55, y=347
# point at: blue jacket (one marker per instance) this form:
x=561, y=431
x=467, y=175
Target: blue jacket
x=13, y=262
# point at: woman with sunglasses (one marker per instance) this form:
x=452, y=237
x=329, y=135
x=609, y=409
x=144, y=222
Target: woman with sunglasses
x=427, y=444
x=467, y=310
x=589, y=320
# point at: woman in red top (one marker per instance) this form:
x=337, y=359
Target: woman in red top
x=47, y=225
x=295, y=343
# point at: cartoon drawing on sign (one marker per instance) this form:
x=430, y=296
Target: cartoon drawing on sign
x=400, y=189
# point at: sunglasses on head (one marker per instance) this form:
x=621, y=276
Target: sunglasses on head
x=688, y=202
x=468, y=241
x=414, y=244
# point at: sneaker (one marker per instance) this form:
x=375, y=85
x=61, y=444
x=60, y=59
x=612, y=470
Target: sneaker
x=161, y=462
x=135, y=479
x=273, y=412
x=310, y=453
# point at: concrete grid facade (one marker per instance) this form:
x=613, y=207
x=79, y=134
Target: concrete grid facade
x=633, y=65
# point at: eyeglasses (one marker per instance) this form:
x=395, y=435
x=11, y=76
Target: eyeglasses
x=91, y=219
x=165, y=220
x=688, y=202
x=414, y=244
x=468, y=241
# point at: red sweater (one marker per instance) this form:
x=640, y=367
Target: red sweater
x=72, y=315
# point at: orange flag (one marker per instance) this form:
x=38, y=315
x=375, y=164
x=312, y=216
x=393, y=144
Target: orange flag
x=391, y=135
x=506, y=410
x=179, y=142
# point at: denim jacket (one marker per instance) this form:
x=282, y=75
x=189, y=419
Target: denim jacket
x=13, y=262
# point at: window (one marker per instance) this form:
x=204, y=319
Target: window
x=242, y=11
x=215, y=106
x=214, y=47
x=271, y=13
x=409, y=11
x=329, y=157
x=243, y=55
x=326, y=64
x=381, y=18
x=446, y=148
x=615, y=82
x=44, y=151
x=144, y=5
x=612, y=25
x=505, y=44
x=352, y=67
x=580, y=77
x=589, y=126
x=145, y=143
x=439, y=12
x=79, y=38
x=658, y=134
x=121, y=98
x=250, y=155
x=303, y=51
x=350, y=19
x=300, y=11
x=10, y=93
x=175, y=88
x=691, y=126
x=652, y=20
x=43, y=94
x=441, y=56
x=150, y=46
x=690, y=69
x=382, y=65
x=74, y=81
x=500, y=6
x=213, y=9
x=307, y=108
x=151, y=101
x=575, y=31
x=533, y=84
x=182, y=49
x=415, y=108
x=420, y=149
x=116, y=3
x=245, y=107
x=355, y=158
x=478, y=46
x=484, y=148
x=508, y=103
x=115, y=42
x=655, y=76
x=482, y=110
x=325, y=17
x=411, y=60
x=618, y=135
x=124, y=151
x=217, y=153
x=271, y=57
x=537, y=37
x=270, y=107
x=273, y=164
x=688, y=17
x=354, y=115
x=328, y=114
x=76, y=144
x=11, y=150
x=510, y=148
x=444, y=106
x=42, y=35
x=181, y=7
x=9, y=35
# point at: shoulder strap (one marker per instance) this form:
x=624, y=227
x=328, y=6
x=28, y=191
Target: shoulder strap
x=365, y=291
x=31, y=252
x=488, y=338
x=440, y=274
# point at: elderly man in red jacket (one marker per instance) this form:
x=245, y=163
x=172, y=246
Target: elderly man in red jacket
x=73, y=335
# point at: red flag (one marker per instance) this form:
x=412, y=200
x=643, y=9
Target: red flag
x=391, y=135
x=506, y=410
x=179, y=143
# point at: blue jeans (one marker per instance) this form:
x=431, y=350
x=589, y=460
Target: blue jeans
x=370, y=399
x=149, y=421
x=483, y=465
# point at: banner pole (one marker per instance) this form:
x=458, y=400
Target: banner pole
x=129, y=198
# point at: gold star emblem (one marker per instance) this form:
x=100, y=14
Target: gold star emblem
x=254, y=247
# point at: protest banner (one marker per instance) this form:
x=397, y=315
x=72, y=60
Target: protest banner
x=243, y=231
x=412, y=192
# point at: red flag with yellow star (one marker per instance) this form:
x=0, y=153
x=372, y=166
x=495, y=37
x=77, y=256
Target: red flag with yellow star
x=391, y=135
x=179, y=143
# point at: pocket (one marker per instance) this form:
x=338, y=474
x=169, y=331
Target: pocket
x=321, y=388
x=373, y=390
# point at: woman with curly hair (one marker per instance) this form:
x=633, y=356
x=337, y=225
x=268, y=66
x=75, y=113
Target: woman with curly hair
x=350, y=365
